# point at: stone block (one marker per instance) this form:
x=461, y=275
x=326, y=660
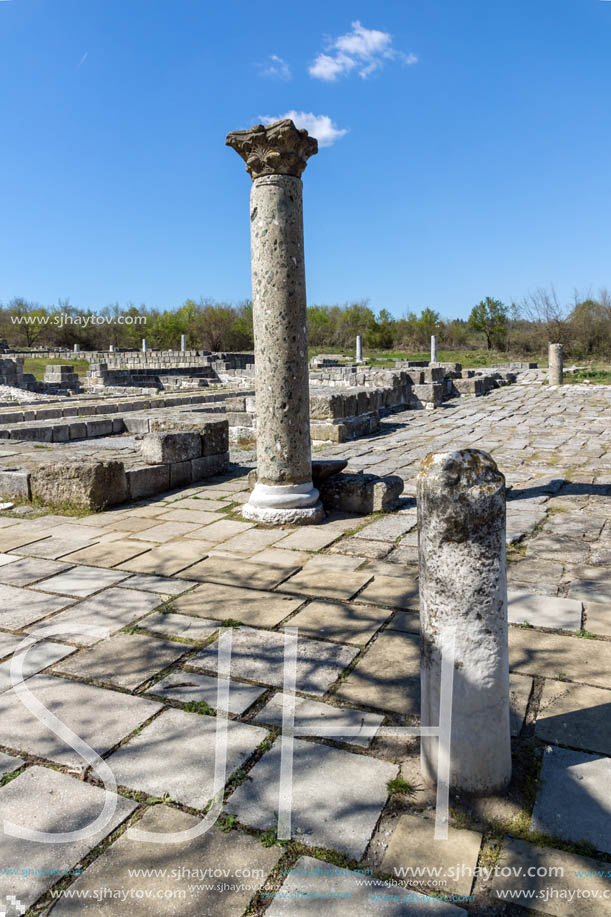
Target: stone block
x=209, y=465
x=215, y=437
x=181, y=473
x=147, y=480
x=61, y=432
x=326, y=407
x=166, y=448
x=361, y=493
x=15, y=483
x=475, y=386
x=89, y=484
x=99, y=427
x=77, y=431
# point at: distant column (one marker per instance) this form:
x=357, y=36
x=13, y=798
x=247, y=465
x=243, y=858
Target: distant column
x=359, y=349
x=183, y=343
x=145, y=346
x=77, y=348
x=556, y=364
x=112, y=348
x=433, y=348
x=463, y=588
x=276, y=157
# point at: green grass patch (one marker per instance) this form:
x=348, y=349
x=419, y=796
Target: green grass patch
x=36, y=365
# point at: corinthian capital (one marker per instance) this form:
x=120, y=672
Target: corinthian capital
x=273, y=149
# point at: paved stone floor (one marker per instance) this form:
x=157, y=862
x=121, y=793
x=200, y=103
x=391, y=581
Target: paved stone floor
x=164, y=576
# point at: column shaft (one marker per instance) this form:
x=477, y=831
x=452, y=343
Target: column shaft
x=463, y=588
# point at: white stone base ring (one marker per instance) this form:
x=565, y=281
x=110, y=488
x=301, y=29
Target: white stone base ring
x=282, y=504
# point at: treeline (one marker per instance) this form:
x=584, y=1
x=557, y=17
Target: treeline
x=583, y=326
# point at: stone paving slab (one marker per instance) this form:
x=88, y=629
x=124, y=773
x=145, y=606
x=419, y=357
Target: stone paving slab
x=598, y=618
x=167, y=560
x=199, y=516
x=258, y=655
x=543, y=611
x=34, y=660
x=8, y=643
x=330, y=583
x=223, y=530
x=392, y=592
x=311, y=538
x=552, y=656
x=260, y=609
x=225, y=570
x=44, y=800
x=163, y=585
x=81, y=582
x=55, y=547
x=388, y=528
x=281, y=558
x=6, y=559
x=572, y=874
x=193, y=686
x=187, y=774
x=360, y=547
x=339, y=621
x=178, y=625
x=311, y=714
x=331, y=562
x=311, y=882
x=408, y=621
x=251, y=542
x=9, y=763
x=573, y=802
x=29, y=570
x=388, y=676
x=108, y=554
x=413, y=848
x=337, y=796
x=575, y=715
x=166, y=531
x=113, y=608
x=520, y=688
x=20, y=607
x=126, y=660
x=16, y=537
x=99, y=716
x=237, y=855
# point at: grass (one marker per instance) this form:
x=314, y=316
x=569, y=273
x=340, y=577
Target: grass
x=36, y=365
x=596, y=376
x=400, y=786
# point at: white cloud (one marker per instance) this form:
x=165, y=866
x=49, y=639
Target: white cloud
x=276, y=67
x=320, y=126
x=363, y=49
x=83, y=59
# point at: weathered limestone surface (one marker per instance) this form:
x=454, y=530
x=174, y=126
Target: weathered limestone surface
x=463, y=585
x=89, y=484
x=361, y=493
x=555, y=359
x=275, y=158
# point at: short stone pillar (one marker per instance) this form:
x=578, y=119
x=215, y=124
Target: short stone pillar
x=77, y=348
x=145, y=346
x=112, y=348
x=359, y=349
x=275, y=157
x=433, y=348
x=183, y=343
x=556, y=364
x=463, y=587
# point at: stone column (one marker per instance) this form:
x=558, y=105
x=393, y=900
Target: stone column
x=463, y=585
x=183, y=343
x=275, y=158
x=556, y=364
x=144, y=345
x=77, y=348
x=359, y=349
x=433, y=348
x=112, y=348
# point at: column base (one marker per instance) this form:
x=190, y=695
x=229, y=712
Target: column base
x=284, y=504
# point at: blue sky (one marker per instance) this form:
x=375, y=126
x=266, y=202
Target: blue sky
x=475, y=158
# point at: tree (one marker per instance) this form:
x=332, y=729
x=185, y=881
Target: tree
x=490, y=317
x=29, y=320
